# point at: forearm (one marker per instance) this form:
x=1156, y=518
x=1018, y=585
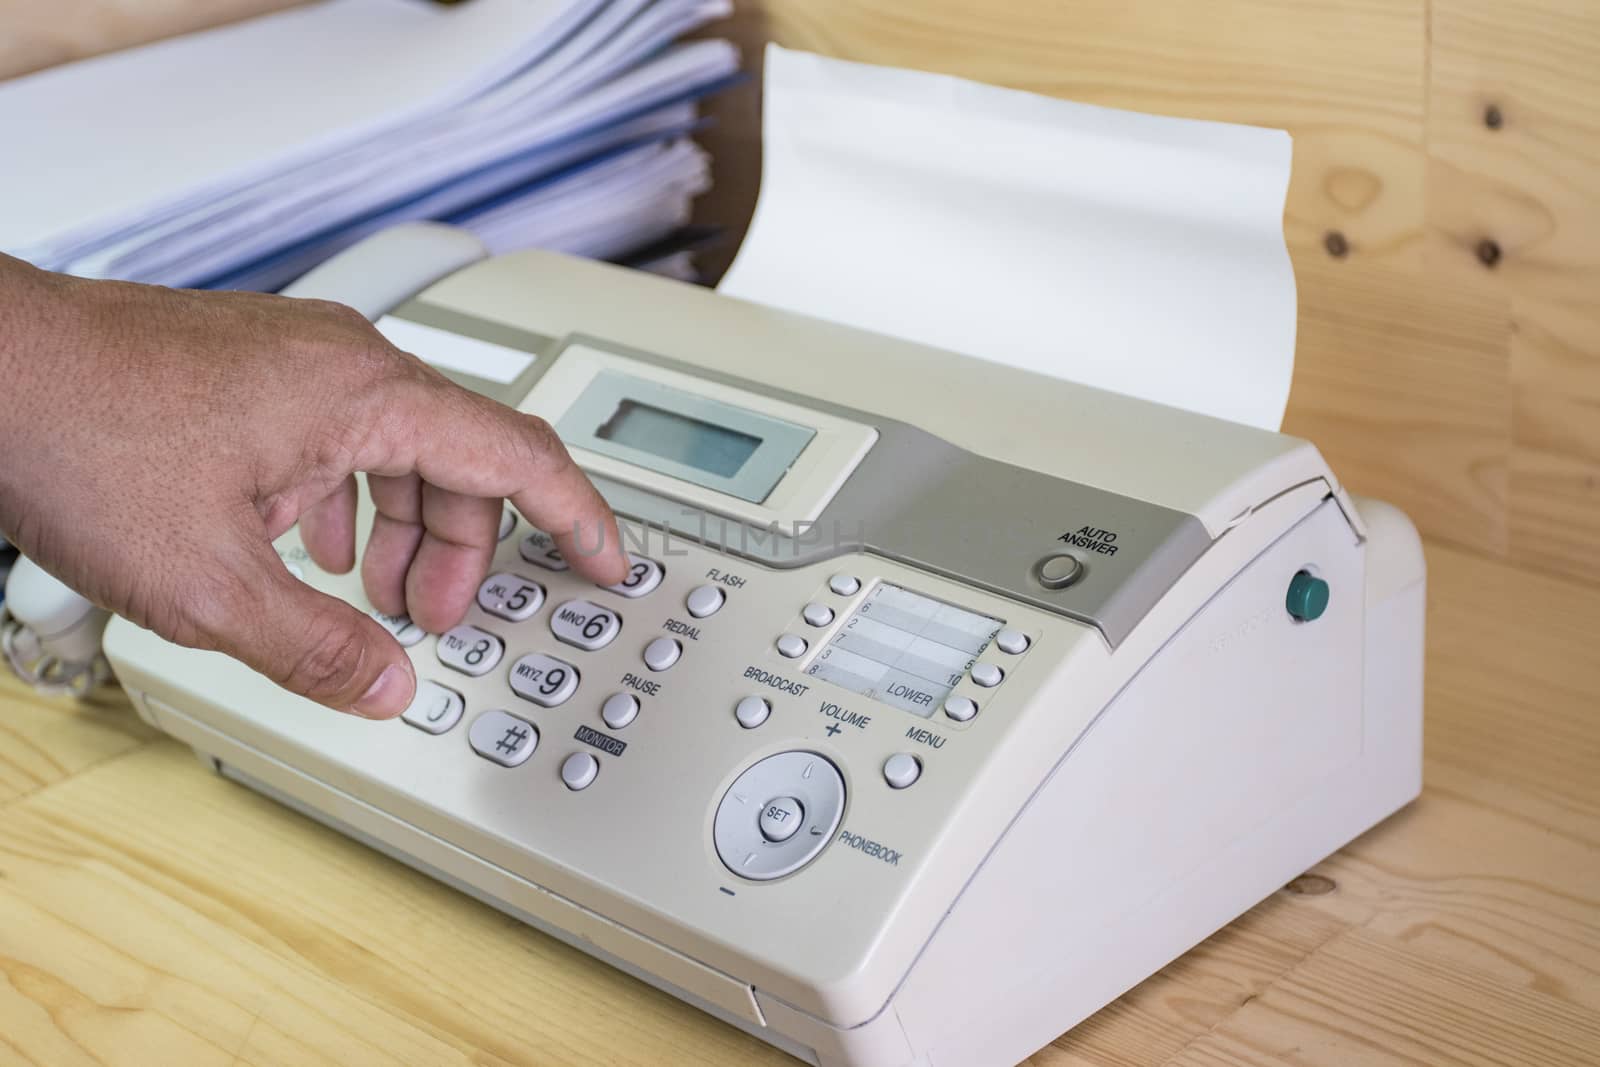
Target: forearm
x=28, y=308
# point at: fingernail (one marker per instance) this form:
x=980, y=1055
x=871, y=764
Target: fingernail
x=388, y=696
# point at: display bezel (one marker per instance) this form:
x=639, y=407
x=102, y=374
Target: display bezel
x=781, y=441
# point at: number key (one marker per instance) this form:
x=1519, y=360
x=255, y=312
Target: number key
x=545, y=680
x=470, y=650
x=540, y=549
x=643, y=577
x=512, y=598
x=586, y=625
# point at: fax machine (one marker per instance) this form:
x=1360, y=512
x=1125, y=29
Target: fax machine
x=943, y=703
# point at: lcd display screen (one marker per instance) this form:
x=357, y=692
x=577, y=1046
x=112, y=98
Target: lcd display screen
x=904, y=649
x=669, y=435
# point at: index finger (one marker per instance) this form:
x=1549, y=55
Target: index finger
x=469, y=444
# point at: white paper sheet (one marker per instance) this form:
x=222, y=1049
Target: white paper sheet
x=1130, y=252
x=215, y=107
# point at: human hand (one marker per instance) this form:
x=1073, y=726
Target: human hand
x=158, y=441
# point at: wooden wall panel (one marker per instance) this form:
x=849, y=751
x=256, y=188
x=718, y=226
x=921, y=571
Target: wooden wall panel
x=1514, y=158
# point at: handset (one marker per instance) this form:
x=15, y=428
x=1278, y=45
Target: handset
x=52, y=635
x=385, y=270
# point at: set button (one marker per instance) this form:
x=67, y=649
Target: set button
x=509, y=597
x=543, y=679
x=643, y=577
x=470, y=650
x=704, y=600
x=780, y=818
x=792, y=646
x=662, y=653
x=585, y=625
x=434, y=708
x=752, y=712
x=501, y=737
x=400, y=627
x=619, y=710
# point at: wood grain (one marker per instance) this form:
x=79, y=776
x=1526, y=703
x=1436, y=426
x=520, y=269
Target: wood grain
x=46, y=741
x=156, y=913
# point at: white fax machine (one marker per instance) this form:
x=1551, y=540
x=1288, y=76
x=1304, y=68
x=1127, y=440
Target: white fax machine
x=943, y=702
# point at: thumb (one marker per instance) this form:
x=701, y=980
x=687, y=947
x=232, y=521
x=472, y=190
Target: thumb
x=317, y=646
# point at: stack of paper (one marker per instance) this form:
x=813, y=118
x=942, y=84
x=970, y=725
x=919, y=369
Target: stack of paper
x=240, y=157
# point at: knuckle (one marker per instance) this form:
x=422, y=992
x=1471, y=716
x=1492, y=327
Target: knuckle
x=342, y=313
x=541, y=446
x=335, y=445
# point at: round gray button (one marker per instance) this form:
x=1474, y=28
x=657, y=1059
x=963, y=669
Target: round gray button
x=817, y=614
x=844, y=584
x=704, y=600
x=781, y=818
x=961, y=709
x=578, y=770
x=508, y=523
x=901, y=769
x=662, y=653
x=745, y=816
x=987, y=674
x=1011, y=642
x=1058, y=570
x=792, y=646
x=752, y=712
x=619, y=710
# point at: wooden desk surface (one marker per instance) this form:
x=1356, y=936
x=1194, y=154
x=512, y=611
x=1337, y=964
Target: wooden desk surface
x=153, y=913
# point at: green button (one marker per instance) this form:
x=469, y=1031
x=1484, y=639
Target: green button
x=1308, y=596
